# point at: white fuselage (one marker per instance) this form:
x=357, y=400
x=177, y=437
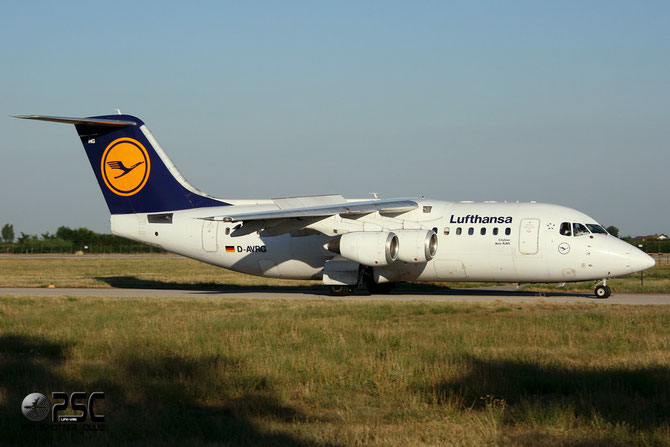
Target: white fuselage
x=503, y=242
x=343, y=242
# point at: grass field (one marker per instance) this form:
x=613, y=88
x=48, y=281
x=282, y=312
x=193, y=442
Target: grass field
x=175, y=272
x=150, y=271
x=232, y=372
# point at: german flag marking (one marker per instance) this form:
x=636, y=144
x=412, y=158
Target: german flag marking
x=230, y=249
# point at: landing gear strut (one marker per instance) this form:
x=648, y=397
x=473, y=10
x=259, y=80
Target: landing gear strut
x=374, y=288
x=602, y=291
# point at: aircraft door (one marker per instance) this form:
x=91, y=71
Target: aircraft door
x=529, y=233
x=209, y=236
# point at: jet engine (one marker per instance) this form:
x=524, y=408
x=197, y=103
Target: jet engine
x=416, y=245
x=371, y=248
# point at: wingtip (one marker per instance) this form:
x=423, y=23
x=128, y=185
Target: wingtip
x=31, y=117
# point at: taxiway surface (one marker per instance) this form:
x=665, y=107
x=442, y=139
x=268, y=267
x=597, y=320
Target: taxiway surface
x=494, y=294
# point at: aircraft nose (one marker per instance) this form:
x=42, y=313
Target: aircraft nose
x=639, y=261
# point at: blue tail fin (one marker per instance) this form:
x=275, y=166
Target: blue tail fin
x=134, y=173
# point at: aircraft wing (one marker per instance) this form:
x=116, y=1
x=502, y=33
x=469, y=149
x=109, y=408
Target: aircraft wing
x=275, y=222
x=348, y=208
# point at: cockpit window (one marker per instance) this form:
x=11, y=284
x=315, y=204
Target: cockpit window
x=579, y=229
x=595, y=228
x=566, y=229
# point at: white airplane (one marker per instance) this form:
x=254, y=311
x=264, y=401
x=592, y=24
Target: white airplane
x=343, y=242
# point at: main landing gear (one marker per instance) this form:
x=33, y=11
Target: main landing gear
x=341, y=290
x=602, y=291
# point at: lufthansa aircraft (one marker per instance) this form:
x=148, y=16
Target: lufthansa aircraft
x=342, y=242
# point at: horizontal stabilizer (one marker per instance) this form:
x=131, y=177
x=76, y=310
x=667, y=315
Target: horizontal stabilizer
x=89, y=121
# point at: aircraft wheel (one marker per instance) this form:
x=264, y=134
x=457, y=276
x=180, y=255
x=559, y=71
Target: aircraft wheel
x=602, y=291
x=380, y=289
x=340, y=290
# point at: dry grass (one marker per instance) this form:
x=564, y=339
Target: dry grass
x=151, y=271
x=233, y=372
x=168, y=271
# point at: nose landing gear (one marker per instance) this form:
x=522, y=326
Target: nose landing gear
x=602, y=291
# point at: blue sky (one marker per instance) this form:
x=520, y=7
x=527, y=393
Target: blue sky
x=559, y=102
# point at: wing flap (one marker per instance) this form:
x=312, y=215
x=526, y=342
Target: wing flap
x=283, y=226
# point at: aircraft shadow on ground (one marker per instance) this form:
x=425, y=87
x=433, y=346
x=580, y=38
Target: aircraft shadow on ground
x=637, y=396
x=158, y=409
x=132, y=282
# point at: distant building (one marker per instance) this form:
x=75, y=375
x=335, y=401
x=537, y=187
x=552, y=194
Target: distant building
x=651, y=237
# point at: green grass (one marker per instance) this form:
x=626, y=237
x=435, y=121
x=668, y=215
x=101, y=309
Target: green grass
x=175, y=272
x=234, y=372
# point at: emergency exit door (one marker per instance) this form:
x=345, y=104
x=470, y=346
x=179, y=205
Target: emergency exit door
x=209, y=235
x=529, y=234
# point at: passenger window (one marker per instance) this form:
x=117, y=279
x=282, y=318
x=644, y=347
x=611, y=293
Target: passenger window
x=579, y=229
x=446, y=231
x=458, y=231
x=483, y=231
x=565, y=229
x=227, y=231
x=508, y=231
x=495, y=231
x=471, y=231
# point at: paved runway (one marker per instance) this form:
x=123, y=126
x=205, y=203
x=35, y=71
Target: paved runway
x=493, y=294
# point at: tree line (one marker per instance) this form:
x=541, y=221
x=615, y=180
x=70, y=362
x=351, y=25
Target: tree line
x=69, y=240
x=648, y=245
